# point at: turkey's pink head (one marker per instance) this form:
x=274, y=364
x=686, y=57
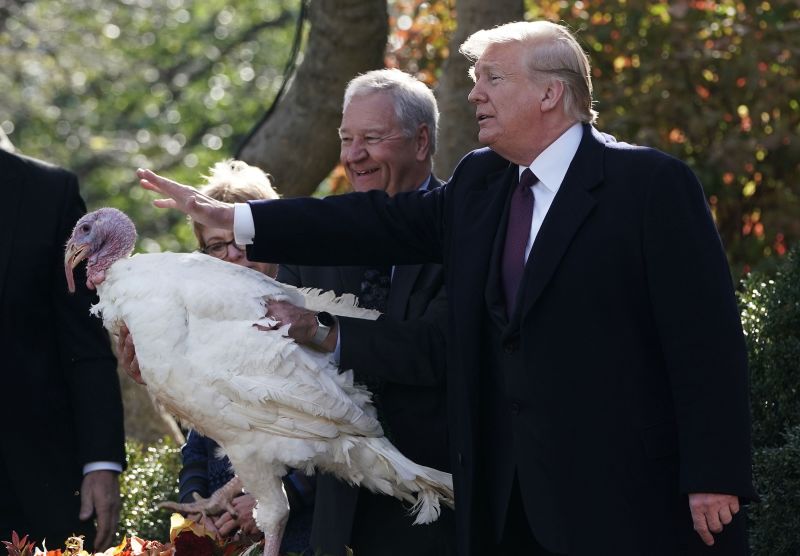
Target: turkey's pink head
x=101, y=237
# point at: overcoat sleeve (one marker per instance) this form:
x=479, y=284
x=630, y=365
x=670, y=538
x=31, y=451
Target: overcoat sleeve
x=88, y=362
x=381, y=348
x=698, y=323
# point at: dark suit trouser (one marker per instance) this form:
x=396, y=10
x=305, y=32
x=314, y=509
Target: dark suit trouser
x=54, y=522
x=517, y=537
x=380, y=517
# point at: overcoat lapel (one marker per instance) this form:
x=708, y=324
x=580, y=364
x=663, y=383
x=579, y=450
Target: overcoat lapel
x=572, y=204
x=495, y=300
x=9, y=211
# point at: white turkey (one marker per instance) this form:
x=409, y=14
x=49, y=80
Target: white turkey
x=270, y=403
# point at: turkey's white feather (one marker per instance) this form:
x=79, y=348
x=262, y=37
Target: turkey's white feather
x=269, y=402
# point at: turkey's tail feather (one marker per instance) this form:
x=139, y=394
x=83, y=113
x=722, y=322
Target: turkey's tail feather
x=345, y=305
x=376, y=464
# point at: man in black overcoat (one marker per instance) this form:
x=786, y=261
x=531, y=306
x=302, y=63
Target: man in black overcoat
x=63, y=439
x=596, y=374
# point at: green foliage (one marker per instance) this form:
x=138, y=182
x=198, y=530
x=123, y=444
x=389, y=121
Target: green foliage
x=771, y=319
x=776, y=529
x=103, y=87
x=713, y=83
x=151, y=477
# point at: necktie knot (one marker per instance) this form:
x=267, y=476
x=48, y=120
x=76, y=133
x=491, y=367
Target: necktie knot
x=526, y=181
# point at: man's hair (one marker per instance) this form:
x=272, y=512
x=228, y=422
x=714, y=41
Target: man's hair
x=234, y=181
x=413, y=101
x=550, y=49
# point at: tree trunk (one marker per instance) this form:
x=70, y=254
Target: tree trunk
x=298, y=143
x=458, y=131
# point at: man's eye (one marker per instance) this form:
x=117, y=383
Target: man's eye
x=495, y=78
x=346, y=140
x=372, y=139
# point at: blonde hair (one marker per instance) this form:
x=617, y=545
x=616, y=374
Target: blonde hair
x=234, y=181
x=550, y=49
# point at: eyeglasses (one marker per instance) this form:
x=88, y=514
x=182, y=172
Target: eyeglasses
x=220, y=249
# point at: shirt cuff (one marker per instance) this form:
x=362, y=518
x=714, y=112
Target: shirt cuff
x=337, y=353
x=102, y=466
x=244, y=228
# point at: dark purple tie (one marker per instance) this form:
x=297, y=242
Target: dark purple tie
x=520, y=214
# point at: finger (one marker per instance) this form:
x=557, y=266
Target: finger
x=725, y=515
x=735, y=506
x=154, y=182
x=712, y=518
x=228, y=527
x=165, y=203
x=137, y=372
x=701, y=527
x=102, y=539
x=122, y=338
x=87, y=504
x=211, y=528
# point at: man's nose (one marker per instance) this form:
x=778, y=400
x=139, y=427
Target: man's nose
x=476, y=94
x=356, y=151
x=234, y=252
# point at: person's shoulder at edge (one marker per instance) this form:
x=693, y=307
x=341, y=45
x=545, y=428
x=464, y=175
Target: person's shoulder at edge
x=27, y=164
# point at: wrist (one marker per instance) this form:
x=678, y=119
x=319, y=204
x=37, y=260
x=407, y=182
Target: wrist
x=326, y=331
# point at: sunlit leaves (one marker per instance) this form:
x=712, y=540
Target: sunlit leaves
x=716, y=84
x=419, y=35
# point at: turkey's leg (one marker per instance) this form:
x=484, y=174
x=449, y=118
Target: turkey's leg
x=272, y=512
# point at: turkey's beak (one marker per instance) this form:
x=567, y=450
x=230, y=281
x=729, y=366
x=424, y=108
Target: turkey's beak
x=73, y=255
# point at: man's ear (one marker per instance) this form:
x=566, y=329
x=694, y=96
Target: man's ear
x=552, y=94
x=422, y=143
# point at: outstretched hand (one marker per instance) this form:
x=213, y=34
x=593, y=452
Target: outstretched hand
x=710, y=512
x=202, y=208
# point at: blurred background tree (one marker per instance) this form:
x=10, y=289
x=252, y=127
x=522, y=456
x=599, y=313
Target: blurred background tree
x=104, y=86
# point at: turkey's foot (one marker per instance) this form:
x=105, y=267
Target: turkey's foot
x=217, y=503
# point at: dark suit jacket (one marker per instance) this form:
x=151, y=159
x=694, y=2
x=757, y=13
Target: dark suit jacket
x=412, y=403
x=61, y=405
x=627, y=343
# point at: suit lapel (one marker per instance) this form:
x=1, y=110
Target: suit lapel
x=403, y=280
x=572, y=204
x=351, y=277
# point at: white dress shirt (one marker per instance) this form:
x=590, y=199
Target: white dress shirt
x=550, y=167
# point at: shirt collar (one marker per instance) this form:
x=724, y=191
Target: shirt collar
x=426, y=184
x=552, y=164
